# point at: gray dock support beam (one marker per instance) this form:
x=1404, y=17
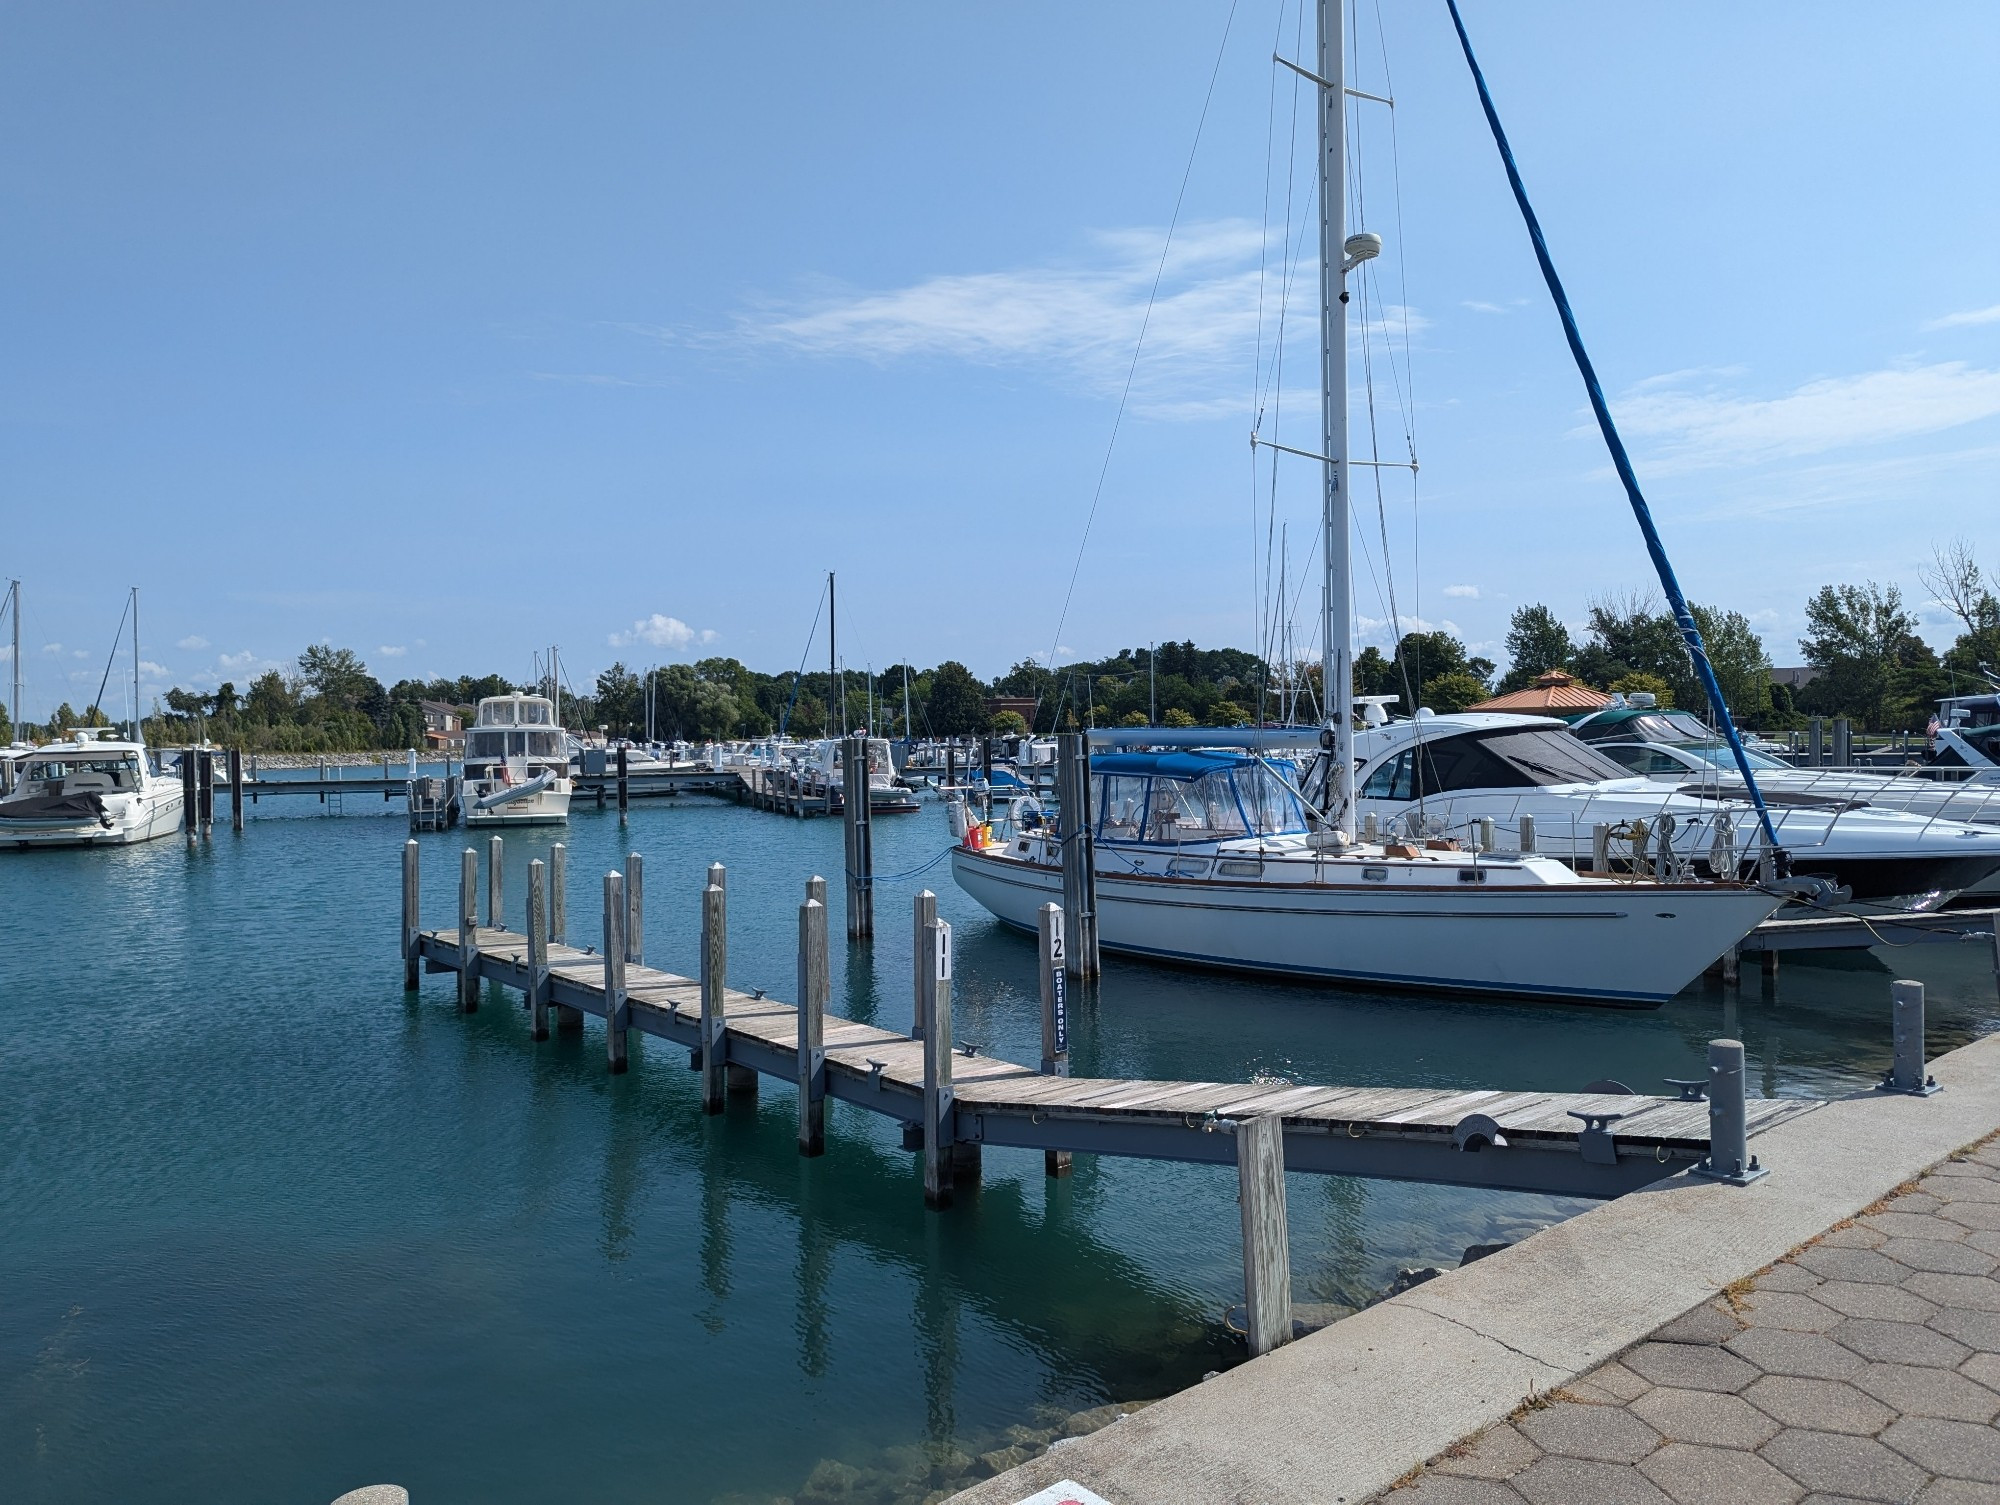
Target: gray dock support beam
x=617, y=1012
x=468, y=932
x=1079, y=866
x=815, y=990
x=714, y=967
x=538, y=949
x=924, y=910
x=1055, y=1015
x=1729, y=1158
x=1267, y=1260
x=496, y=886
x=1907, y=1075
x=635, y=908
x=860, y=838
x=236, y=789
x=938, y=1125
x=411, y=920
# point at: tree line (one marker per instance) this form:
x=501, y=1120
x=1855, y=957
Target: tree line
x=1861, y=641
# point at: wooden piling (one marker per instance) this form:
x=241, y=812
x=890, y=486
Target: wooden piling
x=815, y=990
x=538, y=949
x=559, y=894
x=190, y=799
x=635, y=908
x=925, y=913
x=236, y=789
x=496, y=904
x=1079, y=866
x=860, y=839
x=1732, y=966
x=939, y=1119
x=411, y=917
x=617, y=1012
x=1267, y=1264
x=714, y=969
x=205, y=770
x=624, y=791
x=468, y=932
x=1055, y=1014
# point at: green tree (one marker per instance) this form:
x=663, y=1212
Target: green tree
x=1536, y=643
x=1446, y=693
x=1134, y=718
x=1872, y=665
x=1956, y=580
x=618, y=701
x=273, y=701
x=1176, y=717
x=1013, y=724
x=336, y=676
x=1639, y=682
x=6, y=724
x=956, y=704
x=1736, y=654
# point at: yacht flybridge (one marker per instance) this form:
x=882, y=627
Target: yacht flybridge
x=1208, y=857
x=517, y=764
x=93, y=790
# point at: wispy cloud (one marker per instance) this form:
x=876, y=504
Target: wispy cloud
x=155, y=671
x=388, y=652
x=1467, y=592
x=241, y=660
x=661, y=631
x=1967, y=317
x=1480, y=307
x=1695, y=425
x=192, y=644
x=1079, y=317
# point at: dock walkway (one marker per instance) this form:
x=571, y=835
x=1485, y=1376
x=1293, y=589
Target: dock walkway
x=1587, y=1144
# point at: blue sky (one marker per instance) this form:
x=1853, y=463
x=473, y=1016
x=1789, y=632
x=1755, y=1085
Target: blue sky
x=444, y=332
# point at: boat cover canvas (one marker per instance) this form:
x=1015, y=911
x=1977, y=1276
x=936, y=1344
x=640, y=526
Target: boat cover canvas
x=57, y=809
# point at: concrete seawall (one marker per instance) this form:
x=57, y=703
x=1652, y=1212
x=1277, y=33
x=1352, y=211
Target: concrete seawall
x=1342, y=1414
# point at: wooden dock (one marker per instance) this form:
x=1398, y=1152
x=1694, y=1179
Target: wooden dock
x=954, y=1103
x=783, y=792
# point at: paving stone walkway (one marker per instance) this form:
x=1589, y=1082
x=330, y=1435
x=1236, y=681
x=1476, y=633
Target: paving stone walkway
x=1863, y=1366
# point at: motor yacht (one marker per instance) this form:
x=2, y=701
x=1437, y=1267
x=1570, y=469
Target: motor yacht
x=517, y=764
x=95, y=789
x=824, y=766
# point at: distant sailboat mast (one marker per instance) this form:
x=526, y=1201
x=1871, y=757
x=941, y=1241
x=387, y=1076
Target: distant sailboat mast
x=138, y=726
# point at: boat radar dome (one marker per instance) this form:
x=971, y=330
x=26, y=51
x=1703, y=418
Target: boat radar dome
x=1363, y=245
x=1642, y=700
x=1374, y=708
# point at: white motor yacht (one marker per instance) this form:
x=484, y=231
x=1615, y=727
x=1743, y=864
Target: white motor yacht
x=1440, y=776
x=517, y=767
x=825, y=764
x=93, y=790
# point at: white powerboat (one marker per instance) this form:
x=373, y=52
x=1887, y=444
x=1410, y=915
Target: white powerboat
x=517, y=766
x=824, y=765
x=1208, y=857
x=93, y=790
x=1439, y=777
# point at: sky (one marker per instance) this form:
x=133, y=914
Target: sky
x=450, y=331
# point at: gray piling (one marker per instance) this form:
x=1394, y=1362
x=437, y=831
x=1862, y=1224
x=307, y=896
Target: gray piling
x=1729, y=1158
x=815, y=990
x=714, y=968
x=924, y=910
x=236, y=789
x=1527, y=836
x=860, y=839
x=496, y=885
x=538, y=949
x=410, y=916
x=939, y=1119
x=1079, y=866
x=1267, y=1263
x=635, y=909
x=468, y=932
x=190, y=799
x=559, y=894
x=1907, y=1075
x=624, y=791
x=1055, y=1014
x=617, y=1012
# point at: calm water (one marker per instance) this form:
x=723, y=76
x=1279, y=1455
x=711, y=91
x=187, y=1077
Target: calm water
x=271, y=1229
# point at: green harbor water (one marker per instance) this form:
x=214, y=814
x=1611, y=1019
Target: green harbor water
x=271, y=1229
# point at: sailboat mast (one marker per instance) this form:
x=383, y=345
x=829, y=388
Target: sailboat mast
x=1336, y=650
x=137, y=725
x=14, y=705
x=832, y=665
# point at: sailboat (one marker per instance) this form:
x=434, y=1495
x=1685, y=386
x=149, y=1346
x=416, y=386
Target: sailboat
x=1207, y=855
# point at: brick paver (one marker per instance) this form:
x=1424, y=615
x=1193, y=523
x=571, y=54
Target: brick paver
x=1864, y=1366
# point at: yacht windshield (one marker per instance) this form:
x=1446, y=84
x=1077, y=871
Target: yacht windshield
x=1718, y=755
x=1653, y=726
x=1529, y=758
x=1249, y=799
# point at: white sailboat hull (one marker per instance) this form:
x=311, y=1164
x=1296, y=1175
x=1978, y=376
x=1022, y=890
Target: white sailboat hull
x=1634, y=945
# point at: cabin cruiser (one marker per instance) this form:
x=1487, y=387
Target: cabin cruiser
x=1675, y=747
x=1207, y=857
x=1441, y=776
x=93, y=790
x=11, y=758
x=517, y=764
x=824, y=768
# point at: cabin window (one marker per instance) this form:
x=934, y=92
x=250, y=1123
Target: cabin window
x=1391, y=780
x=1646, y=760
x=485, y=746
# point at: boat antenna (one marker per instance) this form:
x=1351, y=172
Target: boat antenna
x=1683, y=616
